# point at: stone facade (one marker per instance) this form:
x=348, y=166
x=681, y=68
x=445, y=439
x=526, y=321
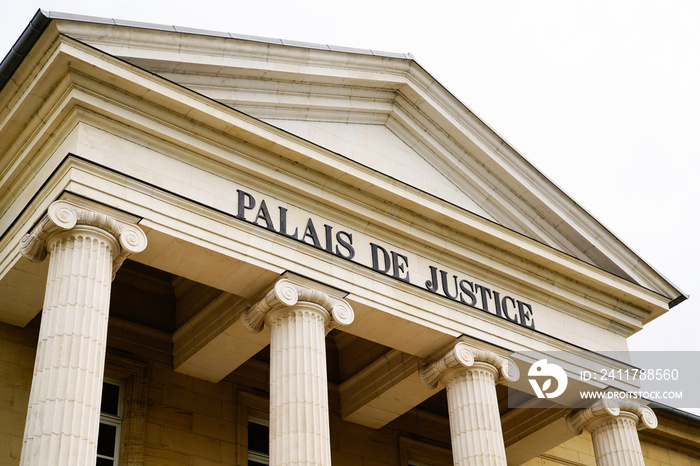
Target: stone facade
x=188, y=421
x=241, y=235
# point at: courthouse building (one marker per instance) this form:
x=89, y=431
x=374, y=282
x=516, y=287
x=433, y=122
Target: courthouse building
x=227, y=250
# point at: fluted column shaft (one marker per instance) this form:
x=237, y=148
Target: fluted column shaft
x=299, y=426
x=475, y=422
x=64, y=403
x=470, y=377
x=613, y=425
x=616, y=442
x=299, y=316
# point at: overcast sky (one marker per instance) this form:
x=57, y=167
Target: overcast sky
x=601, y=96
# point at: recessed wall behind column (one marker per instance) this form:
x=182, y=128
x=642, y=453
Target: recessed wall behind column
x=189, y=421
x=17, y=353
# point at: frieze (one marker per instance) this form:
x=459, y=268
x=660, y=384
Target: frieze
x=270, y=214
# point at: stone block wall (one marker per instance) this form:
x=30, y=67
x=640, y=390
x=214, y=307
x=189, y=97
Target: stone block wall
x=174, y=419
x=17, y=353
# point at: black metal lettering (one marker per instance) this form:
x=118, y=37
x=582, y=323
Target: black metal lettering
x=505, y=308
x=310, y=232
x=283, y=225
x=264, y=214
x=525, y=311
x=245, y=202
x=400, y=263
x=344, y=239
x=484, y=300
x=445, y=287
x=432, y=284
x=375, y=258
x=469, y=293
x=497, y=302
x=329, y=238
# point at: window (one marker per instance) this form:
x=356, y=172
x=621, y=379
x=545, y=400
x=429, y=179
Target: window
x=416, y=453
x=253, y=432
x=258, y=442
x=110, y=423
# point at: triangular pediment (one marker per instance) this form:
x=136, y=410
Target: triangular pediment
x=380, y=111
x=377, y=147
x=419, y=142
x=345, y=100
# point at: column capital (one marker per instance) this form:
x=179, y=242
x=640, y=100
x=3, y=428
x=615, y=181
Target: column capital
x=64, y=215
x=288, y=293
x=586, y=418
x=461, y=355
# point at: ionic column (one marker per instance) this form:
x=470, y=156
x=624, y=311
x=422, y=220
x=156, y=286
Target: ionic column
x=299, y=318
x=613, y=425
x=85, y=249
x=470, y=376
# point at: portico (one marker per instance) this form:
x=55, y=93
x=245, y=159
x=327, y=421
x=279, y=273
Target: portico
x=350, y=272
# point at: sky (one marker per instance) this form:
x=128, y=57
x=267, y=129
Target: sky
x=601, y=96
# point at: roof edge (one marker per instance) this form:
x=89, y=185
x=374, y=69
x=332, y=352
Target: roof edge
x=674, y=299
x=23, y=45
x=677, y=412
x=42, y=19
x=49, y=15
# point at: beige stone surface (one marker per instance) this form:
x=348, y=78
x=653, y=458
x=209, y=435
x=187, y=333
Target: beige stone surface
x=613, y=425
x=163, y=128
x=85, y=248
x=17, y=352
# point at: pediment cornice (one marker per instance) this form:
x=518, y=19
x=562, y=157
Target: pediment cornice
x=273, y=79
x=96, y=83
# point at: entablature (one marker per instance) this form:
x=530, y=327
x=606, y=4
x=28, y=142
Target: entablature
x=555, y=218
x=163, y=137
